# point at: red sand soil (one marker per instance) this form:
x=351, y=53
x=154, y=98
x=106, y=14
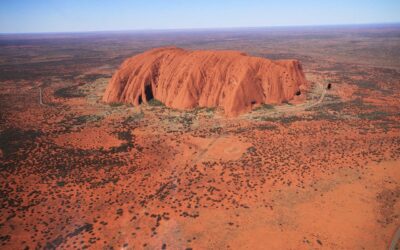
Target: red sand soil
x=88, y=138
x=322, y=173
x=186, y=79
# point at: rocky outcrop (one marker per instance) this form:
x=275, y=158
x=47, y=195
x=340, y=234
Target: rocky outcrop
x=184, y=79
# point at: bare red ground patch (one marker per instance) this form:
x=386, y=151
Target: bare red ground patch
x=88, y=138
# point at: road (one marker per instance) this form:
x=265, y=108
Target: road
x=395, y=240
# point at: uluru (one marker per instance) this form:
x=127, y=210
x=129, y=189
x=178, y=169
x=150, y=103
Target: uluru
x=185, y=79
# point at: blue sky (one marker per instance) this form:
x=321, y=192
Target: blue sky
x=20, y=16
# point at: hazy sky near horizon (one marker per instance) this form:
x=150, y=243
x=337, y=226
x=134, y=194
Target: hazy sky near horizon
x=25, y=16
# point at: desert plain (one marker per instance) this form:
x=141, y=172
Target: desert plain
x=321, y=173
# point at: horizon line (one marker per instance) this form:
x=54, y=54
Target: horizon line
x=154, y=30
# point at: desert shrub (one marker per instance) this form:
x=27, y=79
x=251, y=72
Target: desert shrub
x=134, y=118
x=338, y=105
x=266, y=127
x=290, y=119
x=124, y=135
x=241, y=130
x=87, y=118
x=60, y=183
x=71, y=121
x=265, y=106
x=61, y=169
x=212, y=109
x=367, y=84
x=124, y=147
x=251, y=149
x=13, y=139
x=203, y=109
x=186, y=120
x=215, y=130
x=321, y=115
x=69, y=92
x=335, y=106
x=268, y=119
x=116, y=104
x=375, y=115
x=94, y=77
x=209, y=111
x=288, y=103
x=155, y=102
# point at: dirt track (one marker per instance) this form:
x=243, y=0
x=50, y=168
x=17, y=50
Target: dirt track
x=396, y=238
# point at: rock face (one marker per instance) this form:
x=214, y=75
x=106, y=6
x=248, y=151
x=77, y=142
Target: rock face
x=184, y=79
